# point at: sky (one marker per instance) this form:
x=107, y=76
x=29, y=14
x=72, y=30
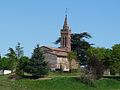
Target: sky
x=33, y=22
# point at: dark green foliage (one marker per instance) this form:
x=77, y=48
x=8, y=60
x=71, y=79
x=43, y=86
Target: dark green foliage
x=37, y=66
x=115, y=63
x=109, y=57
x=0, y=56
x=102, y=54
x=79, y=45
x=4, y=64
x=23, y=62
x=13, y=62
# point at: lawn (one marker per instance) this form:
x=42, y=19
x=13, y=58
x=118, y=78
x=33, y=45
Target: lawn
x=64, y=74
x=57, y=83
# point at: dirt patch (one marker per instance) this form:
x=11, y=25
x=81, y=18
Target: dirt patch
x=44, y=79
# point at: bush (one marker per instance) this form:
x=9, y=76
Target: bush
x=95, y=67
x=87, y=78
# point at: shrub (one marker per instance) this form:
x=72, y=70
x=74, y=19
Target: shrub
x=95, y=68
x=87, y=78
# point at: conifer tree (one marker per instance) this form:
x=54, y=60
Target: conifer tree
x=19, y=50
x=13, y=62
x=37, y=66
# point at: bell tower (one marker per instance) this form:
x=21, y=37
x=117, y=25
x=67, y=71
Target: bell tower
x=65, y=36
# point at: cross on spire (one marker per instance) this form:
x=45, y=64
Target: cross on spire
x=66, y=11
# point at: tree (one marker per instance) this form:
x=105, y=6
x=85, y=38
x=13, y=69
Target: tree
x=19, y=51
x=0, y=56
x=115, y=64
x=79, y=45
x=37, y=66
x=102, y=54
x=23, y=62
x=4, y=63
x=13, y=62
x=71, y=56
x=95, y=68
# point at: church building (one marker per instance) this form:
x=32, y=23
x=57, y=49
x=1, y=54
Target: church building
x=57, y=57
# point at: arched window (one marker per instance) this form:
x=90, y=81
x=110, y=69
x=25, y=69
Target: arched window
x=65, y=41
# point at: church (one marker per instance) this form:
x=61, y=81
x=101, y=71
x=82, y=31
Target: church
x=57, y=57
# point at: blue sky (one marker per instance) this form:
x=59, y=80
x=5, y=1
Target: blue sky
x=32, y=22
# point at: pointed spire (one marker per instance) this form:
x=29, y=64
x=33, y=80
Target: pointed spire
x=65, y=22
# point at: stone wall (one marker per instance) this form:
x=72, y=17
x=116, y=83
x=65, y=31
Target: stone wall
x=74, y=64
x=52, y=60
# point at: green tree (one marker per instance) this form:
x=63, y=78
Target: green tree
x=23, y=62
x=115, y=64
x=37, y=66
x=19, y=50
x=0, y=56
x=79, y=45
x=13, y=62
x=102, y=54
x=4, y=63
x=71, y=56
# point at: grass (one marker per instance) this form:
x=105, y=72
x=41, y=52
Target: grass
x=57, y=83
x=64, y=74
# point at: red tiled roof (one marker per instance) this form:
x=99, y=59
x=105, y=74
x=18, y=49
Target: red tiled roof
x=57, y=51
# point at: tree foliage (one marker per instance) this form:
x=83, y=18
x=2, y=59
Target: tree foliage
x=19, y=50
x=37, y=66
x=109, y=57
x=79, y=45
x=4, y=64
x=102, y=54
x=115, y=65
x=13, y=62
x=23, y=62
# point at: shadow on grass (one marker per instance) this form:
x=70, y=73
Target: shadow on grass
x=18, y=77
x=30, y=77
x=112, y=77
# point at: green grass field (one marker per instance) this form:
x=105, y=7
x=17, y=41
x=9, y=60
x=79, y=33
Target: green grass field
x=57, y=83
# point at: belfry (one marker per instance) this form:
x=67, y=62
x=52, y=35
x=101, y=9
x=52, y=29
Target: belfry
x=66, y=36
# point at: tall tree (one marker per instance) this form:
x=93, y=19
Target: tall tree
x=12, y=59
x=19, y=50
x=79, y=45
x=115, y=67
x=37, y=66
